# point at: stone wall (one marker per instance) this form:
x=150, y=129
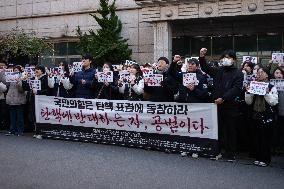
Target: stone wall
x=59, y=18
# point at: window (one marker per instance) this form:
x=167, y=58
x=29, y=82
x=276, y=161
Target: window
x=63, y=51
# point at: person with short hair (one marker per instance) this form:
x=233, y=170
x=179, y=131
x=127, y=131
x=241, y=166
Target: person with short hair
x=169, y=86
x=83, y=80
x=193, y=93
x=227, y=86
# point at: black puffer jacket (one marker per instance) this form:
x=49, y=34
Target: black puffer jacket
x=227, y=83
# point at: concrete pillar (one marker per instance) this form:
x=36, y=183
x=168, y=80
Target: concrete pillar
x=162, y=40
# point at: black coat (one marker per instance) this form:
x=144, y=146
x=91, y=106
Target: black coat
x=164, y=93
x=227, y=83
x=198, y=95
x=109, y=92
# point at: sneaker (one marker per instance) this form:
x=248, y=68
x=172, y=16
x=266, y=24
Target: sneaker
x=231, y=159
x=256, y=162
x=262, y=164
x=219, y=156
x=39, y=137
x=183, y=154
x=9, y=134
x=194, y=155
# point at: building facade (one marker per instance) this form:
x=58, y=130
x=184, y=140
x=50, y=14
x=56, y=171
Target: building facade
x=156, y=27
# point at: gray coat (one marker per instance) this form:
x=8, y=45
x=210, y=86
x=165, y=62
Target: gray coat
x=16, y=95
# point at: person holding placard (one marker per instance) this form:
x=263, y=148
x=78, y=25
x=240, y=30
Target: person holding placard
x=60, y=83
x=168, y=87
x=106, y=90
x=278, y=75
x=83, y=80
x=16, y=99
x=134, y=89
x=193, y=90
x=36, y=86
x=263, y=117
x=227, y=86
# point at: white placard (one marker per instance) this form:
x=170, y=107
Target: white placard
x=278, y=83
x=154, y=80
x=124, y=76
x=56, y=71
x=105, y=77
x=189, y=78
x=278, y=58
x=12, y=77
x=250, y=58
x=30, y=72
x=129, y=62
x=117, y=67
x=35, y=84
x=258, y=88
x=187, y=60
x=77, y=66
x=147, y=71
x=9, y=70
x=249, y=78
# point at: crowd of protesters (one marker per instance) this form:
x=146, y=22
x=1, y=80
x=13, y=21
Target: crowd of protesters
x=242, y=117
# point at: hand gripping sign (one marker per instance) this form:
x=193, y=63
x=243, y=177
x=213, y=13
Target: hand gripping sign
x=189, y=78
x=77, y=66
x=154, y=80
x=105, y=77
x=124, y=76
x=35, y=84
x=258, y=88
x=278, y=83
x=11, y=77
x=278, y=58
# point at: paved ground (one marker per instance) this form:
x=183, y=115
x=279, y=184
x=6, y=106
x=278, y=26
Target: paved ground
x=28, y=163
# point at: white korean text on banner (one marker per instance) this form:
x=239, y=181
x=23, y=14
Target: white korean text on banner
x=174, y=126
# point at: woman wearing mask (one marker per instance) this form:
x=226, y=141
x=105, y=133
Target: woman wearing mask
x=16, y=99
x=61, y=85
x=106, y=90
x=263, y=117
x=135, y=88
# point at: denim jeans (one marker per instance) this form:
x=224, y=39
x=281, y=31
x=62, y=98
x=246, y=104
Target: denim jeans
x=17, y=119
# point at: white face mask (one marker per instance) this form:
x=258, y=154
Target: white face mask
x=254, y=71
x=227, y=62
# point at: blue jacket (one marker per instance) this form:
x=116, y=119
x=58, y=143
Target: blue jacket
x=86, y=90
